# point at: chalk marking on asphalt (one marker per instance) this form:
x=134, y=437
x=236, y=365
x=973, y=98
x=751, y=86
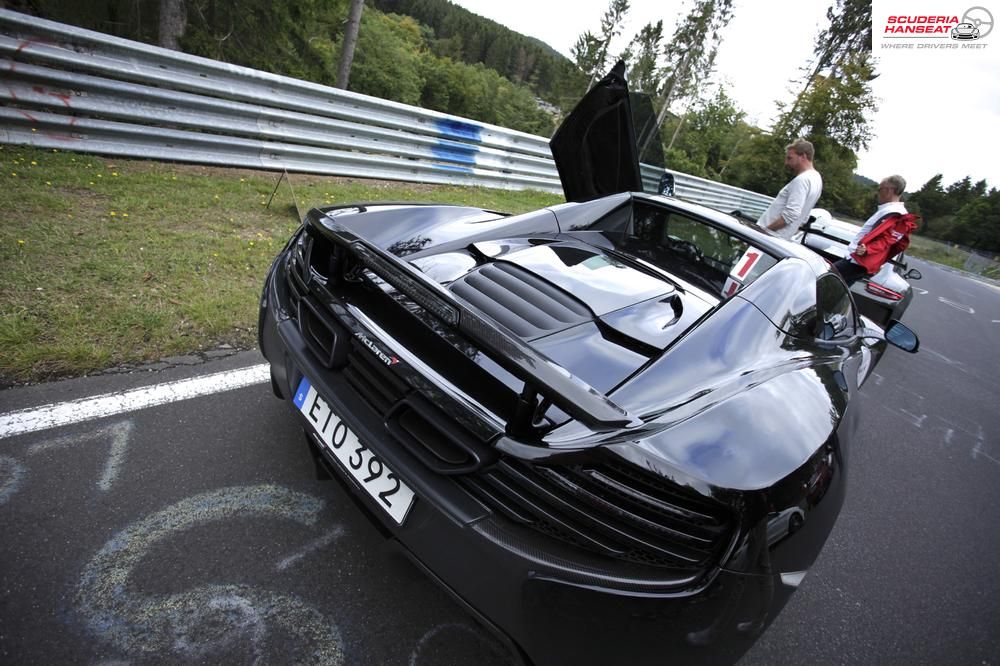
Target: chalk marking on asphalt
x=210, y=620
x=311, y=547
x=85, y=409
x=916, y=420
x=957, y=306
x=11, y=476
x=978, y=451
x=955, y=364
x=118, y=433
x=948, y=435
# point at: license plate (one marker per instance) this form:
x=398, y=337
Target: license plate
x=374, y=476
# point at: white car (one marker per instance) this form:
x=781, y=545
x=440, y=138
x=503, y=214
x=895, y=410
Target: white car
x=881, y=297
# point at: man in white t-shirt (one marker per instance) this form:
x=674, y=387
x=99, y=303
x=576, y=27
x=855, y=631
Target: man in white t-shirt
x=790, y=209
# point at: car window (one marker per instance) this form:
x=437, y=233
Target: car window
x=835, y=309
x=694, y=250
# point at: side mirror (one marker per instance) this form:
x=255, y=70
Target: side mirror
x=913, y=274
x=899, y=335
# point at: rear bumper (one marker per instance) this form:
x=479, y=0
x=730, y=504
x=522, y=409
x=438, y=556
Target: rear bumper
x=553, y=609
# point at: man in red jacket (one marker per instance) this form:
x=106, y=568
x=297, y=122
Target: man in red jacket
x=883, y=235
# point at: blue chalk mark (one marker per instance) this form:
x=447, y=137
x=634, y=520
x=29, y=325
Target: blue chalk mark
x=452, y=151
x=459, y=130
x=451, y=167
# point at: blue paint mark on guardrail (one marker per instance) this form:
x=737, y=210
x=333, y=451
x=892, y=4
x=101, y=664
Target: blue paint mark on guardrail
x=456, y=129
x=451, y=167
x=452, y=151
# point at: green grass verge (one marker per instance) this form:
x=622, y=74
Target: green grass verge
x=107, y=262
x=936, y=251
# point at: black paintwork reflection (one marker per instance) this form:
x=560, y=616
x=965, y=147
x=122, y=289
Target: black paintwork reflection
x=594, y=277
x=596, y=360
x=413, y=231
x=722, y=400
x=786, y=294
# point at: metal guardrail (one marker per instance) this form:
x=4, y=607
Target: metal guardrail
x=69, y=88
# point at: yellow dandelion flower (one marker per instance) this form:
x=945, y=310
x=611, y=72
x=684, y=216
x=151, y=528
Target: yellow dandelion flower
x=34, y=163
x=49, y=183
x=13, y=173
x=20, y=242
x=124, y=214
x=113, y=214
x=114, y=173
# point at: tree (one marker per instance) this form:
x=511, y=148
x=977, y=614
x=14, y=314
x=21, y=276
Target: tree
x=173, y=22
x=715, y=129
x=849, y=33
x=690, y=54
x=350, y=41
x=591, y=51
x=642, y=57
x=976, y=223
x=836, y=98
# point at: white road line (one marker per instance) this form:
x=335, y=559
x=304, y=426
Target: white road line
x=957, y=306
x=109, y=404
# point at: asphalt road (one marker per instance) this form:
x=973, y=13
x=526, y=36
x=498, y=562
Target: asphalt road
x=199, y=531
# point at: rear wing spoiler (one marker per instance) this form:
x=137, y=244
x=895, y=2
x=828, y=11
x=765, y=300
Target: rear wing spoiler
x=541, y=375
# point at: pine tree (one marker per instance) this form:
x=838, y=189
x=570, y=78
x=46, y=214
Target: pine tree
x=590, y=53
x=690, y=54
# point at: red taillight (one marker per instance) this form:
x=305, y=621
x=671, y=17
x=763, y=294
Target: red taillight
x=879, y=290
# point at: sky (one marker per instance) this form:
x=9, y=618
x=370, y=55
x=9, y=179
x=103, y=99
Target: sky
x=939, y=108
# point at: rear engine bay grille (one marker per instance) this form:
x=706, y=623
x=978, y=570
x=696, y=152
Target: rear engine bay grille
x=523, y=302
x=609, y=509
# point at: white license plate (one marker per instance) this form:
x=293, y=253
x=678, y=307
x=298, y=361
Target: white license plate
x=373, y=475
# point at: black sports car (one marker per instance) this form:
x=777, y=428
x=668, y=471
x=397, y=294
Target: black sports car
x=617, y=429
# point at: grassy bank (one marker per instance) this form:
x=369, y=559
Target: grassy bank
x=943, y=253
x=106, y=262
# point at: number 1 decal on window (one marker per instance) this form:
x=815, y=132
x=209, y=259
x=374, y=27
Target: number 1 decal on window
x=740, y=270
x=746, y=262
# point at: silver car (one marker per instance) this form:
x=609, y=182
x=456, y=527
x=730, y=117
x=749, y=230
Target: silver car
x=881, y=297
